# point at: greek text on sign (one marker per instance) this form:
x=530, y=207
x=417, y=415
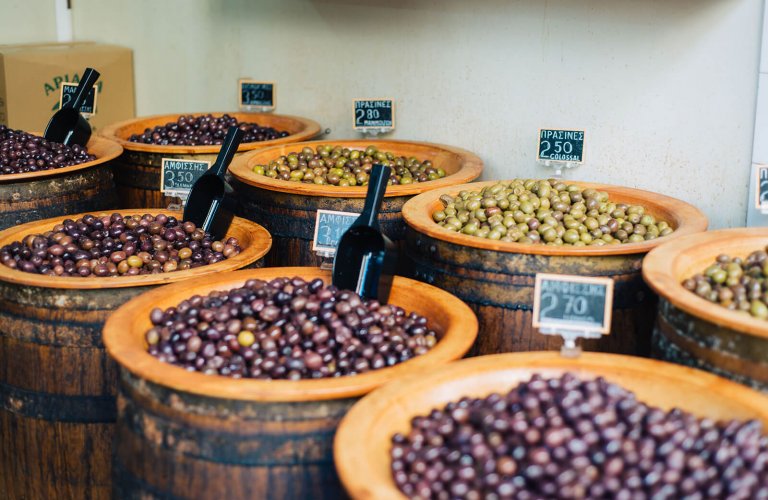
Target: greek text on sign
x=68, y=91
x=255, y=93
x=572, y=303
x=374, y=113
x=561, y=145
x=761, y=197
x=178, y=176
x=330, y=225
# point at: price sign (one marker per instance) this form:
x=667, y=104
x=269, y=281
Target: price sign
x=256, y=94
x=68, y=91
x=330, y=225
x=572, y=303
x=761, y=197
x=178, y=176
x=561, y=145
x=374, y=114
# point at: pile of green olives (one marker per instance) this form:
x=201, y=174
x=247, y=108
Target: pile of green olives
x=547, y=212
x=340, y=166
x=735, y=283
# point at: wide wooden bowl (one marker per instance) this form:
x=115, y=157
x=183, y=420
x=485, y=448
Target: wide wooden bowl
x=39, y=195
x=137, y=171
x=287, y=209
x=57, y=384
x=363, y=441
x=696, y=332
x=497, y=278
x=247, y=438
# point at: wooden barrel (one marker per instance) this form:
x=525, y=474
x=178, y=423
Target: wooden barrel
x=57, y=384
x=497, y=278
x=137, y=171
x=695, y=332
x=188, y=435
x=38, y=195
x=363, y=442
x=287, y=209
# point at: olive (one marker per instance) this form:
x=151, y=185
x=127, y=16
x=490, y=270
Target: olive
x=567, y=437
x=205, y=130
x=286, y=328
x=117, y=245
x=351, y=167
x=21, y=152
x=735, y=283
x=551, y=212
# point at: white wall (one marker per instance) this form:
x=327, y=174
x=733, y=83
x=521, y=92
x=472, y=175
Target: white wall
x=664, y=88
x=27, y=21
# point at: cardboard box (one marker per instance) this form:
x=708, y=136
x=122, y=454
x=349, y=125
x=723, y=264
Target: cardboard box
x=31, y=78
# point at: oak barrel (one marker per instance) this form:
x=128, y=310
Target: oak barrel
x=363, y=442
x=137, y=170
x=188, y=435
x=57, y=384
x=288, y=209
x=497, y=278
x=693, y=331
x=33, y=196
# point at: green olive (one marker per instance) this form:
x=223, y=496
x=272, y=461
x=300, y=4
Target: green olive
x=545, y=212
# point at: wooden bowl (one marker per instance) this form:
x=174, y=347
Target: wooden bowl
x=260, y=438
x=696, y=332
x=137, y=171
x=362, y=444
x=37, y=195
x=298, y=128
x=287, y=209
x=496, y=278
x=57, y=383
x=254, y=240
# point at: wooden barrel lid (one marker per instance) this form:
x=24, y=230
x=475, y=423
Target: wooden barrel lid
x=125, y=329
x=683, y=217
x=299, y=129
x=460, y=166
x=254, y=240
x=362, y=443
x=665, y=268
x=103, y=149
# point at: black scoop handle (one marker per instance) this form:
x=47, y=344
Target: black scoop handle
x=90, y=76
x=377, y=185
x=227, y=152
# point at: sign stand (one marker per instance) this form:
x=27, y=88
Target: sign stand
x=373, y=116
x=184, y=195
x=255, y=96
x=558, y=166
x=570, y=349
x=572, y=307
x=560, y=149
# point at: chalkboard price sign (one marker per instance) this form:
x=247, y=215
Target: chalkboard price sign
x=374, y=113
x=257, y=94
x=330, y=225
x=178, y=176
x=68, y=91
x=561, y=145
x=761, y=198
x=572, y=303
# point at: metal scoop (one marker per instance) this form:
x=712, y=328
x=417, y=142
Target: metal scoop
x=67, y=125
x=206, y=203
x=365, y=258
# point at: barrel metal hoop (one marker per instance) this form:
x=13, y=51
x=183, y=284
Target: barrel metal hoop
x=58, y=407
x=674, y=346
x=627, y=295
x=48, y=333
x=258, y=449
